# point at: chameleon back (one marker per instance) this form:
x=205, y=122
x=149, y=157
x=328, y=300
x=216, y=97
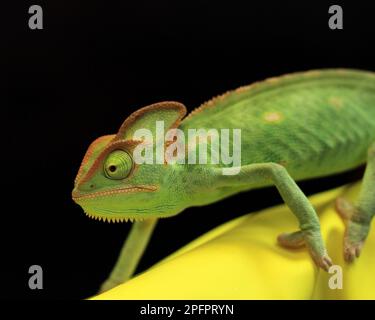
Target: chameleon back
x=315, y=123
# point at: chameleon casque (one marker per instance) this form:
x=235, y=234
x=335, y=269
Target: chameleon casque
x=293, y=127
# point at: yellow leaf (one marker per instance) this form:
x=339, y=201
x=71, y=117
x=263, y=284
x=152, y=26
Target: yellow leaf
x=242, y=260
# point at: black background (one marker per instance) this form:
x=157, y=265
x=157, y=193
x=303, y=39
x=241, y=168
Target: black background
x=97, y=61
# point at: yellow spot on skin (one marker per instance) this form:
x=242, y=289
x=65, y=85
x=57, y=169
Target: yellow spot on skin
x=273, y=116
x=335, y=102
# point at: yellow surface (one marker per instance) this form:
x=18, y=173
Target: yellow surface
x=241, y=260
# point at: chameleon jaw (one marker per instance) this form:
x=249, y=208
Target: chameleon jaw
x=77, y=196
x=112, y=219
x=116, y=218
x=84, y=199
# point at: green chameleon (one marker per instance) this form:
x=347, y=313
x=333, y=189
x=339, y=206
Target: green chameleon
x=294, y=127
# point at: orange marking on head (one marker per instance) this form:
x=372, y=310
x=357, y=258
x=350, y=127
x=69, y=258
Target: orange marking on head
x=127, y=145
x=89, y=153
x=156, y=106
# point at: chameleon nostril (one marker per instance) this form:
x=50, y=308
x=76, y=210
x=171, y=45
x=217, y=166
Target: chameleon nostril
x=92, y=186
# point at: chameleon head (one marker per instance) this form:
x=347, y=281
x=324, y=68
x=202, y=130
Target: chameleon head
x=110, y=186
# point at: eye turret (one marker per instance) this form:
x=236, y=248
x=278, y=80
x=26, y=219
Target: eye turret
x=118, y=165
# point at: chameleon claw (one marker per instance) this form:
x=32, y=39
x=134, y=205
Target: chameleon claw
x=356, y=230
x=322, y=261
x=326, y=262
x=352, y=251
x=296, y=240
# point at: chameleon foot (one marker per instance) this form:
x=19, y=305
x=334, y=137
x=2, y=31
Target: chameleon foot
x=321, y=260
x=299, y=239
x=356, y=229
x=291, y=240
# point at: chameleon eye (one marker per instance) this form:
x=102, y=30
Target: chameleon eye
x=118, y=165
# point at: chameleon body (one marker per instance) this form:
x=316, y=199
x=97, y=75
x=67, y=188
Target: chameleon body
x=294, y=127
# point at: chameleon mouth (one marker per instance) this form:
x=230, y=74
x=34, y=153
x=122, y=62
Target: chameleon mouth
x=77, y=196
x=116, y=219
x=112, y=219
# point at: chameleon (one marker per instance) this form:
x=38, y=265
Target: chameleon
x=294, y=127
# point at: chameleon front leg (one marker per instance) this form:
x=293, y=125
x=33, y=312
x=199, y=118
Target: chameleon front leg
x=131, y=252
x=309, y=233
x=358, y=216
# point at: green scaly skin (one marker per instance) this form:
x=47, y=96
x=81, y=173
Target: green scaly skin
x=294, y=127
